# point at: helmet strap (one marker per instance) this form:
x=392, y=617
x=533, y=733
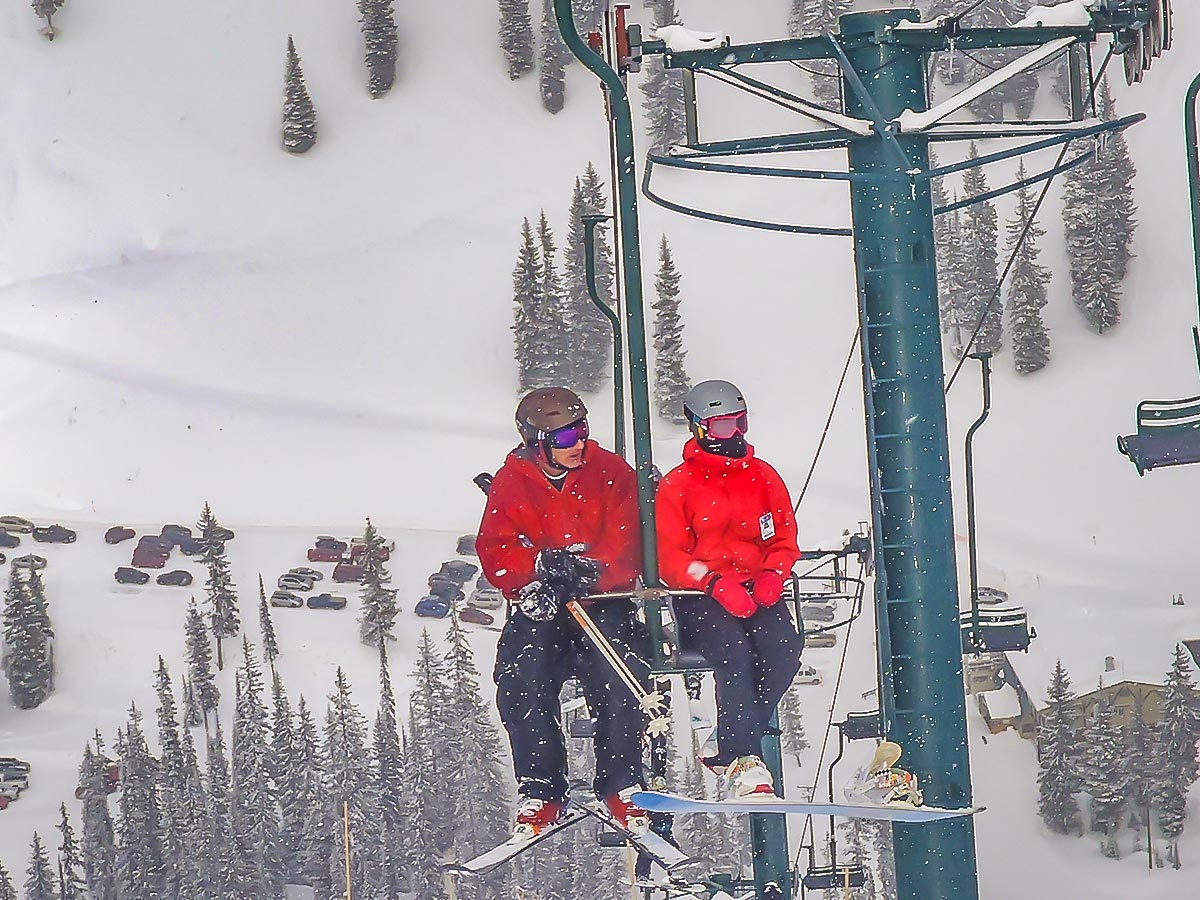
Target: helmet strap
x=547, y=457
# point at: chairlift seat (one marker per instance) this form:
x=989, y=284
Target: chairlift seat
x=830, y=878
x=1168, y=434
x=1000, y=629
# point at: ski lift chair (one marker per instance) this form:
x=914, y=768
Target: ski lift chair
x=999, y=629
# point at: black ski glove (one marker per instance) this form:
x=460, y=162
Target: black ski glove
x=572, y=575
x=538, y=601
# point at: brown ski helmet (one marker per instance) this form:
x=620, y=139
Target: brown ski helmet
x=545, y=409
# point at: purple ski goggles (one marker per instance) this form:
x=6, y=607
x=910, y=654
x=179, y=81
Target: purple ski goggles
x=569, y=435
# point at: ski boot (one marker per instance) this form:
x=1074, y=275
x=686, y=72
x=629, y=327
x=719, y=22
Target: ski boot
x=748, y=777
x=627, y=814
x=881, y=783
x=535, y=814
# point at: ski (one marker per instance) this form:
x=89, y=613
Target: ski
x=492, y=859
x=652, y=846
x=653, y=801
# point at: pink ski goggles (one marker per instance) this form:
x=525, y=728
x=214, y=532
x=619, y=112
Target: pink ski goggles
x=724, y=427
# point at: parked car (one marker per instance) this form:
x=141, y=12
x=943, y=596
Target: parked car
x=817, y=612
x=357, y=551
x=326, y=601
x=286, y=599
x=8, y=540
x=989, y=596
x=11, y=762
x=325, y=542
x=148, y=558
x=345, y=571
x=466, y=545
x=175, y=533
x=54, y=534
x=127, y=575
x=118, y=533
x=306, y=572
x=294, y=583
x=486, y=598
x=432, y=607
x=458, y=569
x=221, y=533
x=29, y=561
x=807, y=675
x=10, y=791
x=449, y=591
x=482, y=584
x=475, y=616
x=152, y=542
x=4, y=801
x=820, y=639
x=175, y=578
x=324, y=554
x=19, y=780
x=16, y=524
x=195, y=546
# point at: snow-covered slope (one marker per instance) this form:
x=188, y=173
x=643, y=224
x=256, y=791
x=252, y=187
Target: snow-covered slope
x=189, y=314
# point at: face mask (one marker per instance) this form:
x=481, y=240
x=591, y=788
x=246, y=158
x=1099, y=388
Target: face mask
x=733, y=447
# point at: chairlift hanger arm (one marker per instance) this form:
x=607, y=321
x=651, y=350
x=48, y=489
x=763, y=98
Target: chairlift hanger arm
x=779, y=97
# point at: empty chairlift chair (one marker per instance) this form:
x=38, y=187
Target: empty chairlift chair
x=1000, y=628
x=1168, y=434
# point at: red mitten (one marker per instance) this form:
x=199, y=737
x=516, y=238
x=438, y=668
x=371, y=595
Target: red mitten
x=768, y=587
x=732, y=596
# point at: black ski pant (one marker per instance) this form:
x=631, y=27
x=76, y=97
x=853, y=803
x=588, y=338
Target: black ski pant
x=754, y=661
x=533, y=660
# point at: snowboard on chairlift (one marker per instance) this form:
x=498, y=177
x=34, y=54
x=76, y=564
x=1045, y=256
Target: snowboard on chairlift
x=653, y=801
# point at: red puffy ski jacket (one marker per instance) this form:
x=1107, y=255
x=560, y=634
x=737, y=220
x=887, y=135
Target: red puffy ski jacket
x=525, y=513
x=717, y=515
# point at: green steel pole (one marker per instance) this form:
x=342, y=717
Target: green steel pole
x=1193, y=159
x=635, y=320
x=917, y=595
x=589, y=258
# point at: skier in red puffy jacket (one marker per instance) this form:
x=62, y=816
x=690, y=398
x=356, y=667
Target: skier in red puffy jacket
x=562, y=523
x=725, y=526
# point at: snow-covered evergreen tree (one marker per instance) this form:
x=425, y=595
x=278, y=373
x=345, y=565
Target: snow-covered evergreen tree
x=139, y=862
x=978, y=241
x=389, y=776
x=590, y=336
x=1138, y=772
x=516, y=37
x=1119, y=171
x=426, y=809
x=99, y=841
x=378, y=21
x=174, y=801
x=222, y=598
x=28, y=640
x=285, y=769
x=195, y=879
x=199, y=657
x=1058, y=751
x=554, y=306
x=480, y=804
x=429, y=711
x=821, y=17
x=883, y=846
x=537, y=363
x=254, y=812
x=71, y=883
x=1176, y=767
x=1104, y=776
x=222, y=860
x=662, y=89
x=791, y=723
x=40, y=883
x=350, y=785
x=299, y=114
x=856, y=838
x=378, y=618
x=270, y=643
x=320, y=826
x=697, y=834
x=552, y=61
x=1027, y=286
x=193, y=716
x=671, y=382
x=7, y=891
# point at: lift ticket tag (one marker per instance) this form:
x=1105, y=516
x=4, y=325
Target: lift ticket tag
x=766, y=526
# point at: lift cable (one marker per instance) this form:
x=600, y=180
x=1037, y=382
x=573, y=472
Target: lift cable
x=1029, y=221
x=829, y=419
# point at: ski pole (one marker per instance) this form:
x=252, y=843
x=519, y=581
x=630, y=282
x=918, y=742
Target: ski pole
x=651, y=702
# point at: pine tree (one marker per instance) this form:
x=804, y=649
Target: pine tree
x=285, y=767
x=267, y=627
x=254, y=812
x=70, y=861
x=195, y=878
x=552, y=59
x=1176, y=767
x=299, y=114
x=28, y=641
x=378, y=21
x=7, y=891
x=199, y=655
x=791, y=723
x=531, y=353
x=193, y=716
x=671, y=382
x=220, y=826
x=820, y=17
x=222, y=599
x=554, y=309
x=885, y=857
x=1138, y=772
x=99, y=841
x=351, y=787
x=590, y=335
x=699, y=833
x=389, y=777
x=855, y=835
x=318, y=825
x=429, y=710
x=40, y=885
x=1119, y=171
x=1103, y=776
x=516, y=37
x=979, y=246
x=378, y=619
x=1057, y=759
x=174, y=802
x=1027, y=286
x=666, y=122
x=425, y=847
x=139, y=862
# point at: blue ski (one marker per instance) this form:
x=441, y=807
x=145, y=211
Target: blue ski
x=653, y=801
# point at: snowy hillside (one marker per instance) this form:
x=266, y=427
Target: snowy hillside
x=188, y=314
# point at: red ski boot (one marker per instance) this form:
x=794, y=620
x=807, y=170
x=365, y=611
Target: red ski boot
x=534, y=814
